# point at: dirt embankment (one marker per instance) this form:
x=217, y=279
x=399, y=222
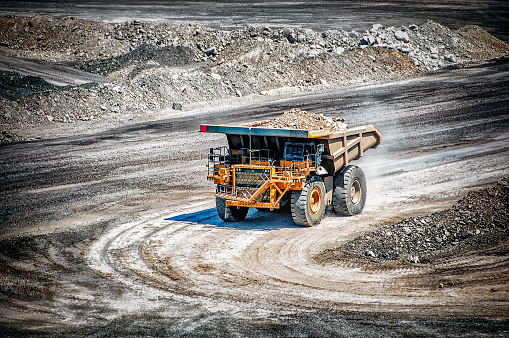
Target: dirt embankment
x=477, y=222
x=153, y=68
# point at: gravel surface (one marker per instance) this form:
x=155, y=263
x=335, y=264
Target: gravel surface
x=160, y=69
x=115, y=233
x=478, y=220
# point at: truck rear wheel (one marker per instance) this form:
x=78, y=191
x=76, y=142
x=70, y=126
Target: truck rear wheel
x=308, y=204
x=350, y=189
x=230, y=214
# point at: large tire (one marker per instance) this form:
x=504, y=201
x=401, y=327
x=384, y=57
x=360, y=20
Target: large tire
x=308, y=204
x=230, y=214
x=350, y=189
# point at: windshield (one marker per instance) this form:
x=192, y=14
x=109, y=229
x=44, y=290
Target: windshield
x=297, y=151
x=294, y=150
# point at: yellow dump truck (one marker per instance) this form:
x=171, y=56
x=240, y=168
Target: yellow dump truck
x=303, y=170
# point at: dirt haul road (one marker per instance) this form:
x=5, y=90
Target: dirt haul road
x=116, y=233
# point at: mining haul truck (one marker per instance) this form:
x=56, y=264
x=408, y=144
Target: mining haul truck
x=300, y=170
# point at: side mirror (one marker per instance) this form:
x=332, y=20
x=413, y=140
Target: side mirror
x=320, y=148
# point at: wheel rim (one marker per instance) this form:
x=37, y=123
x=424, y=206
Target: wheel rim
x=315, y=201
x=356, y=192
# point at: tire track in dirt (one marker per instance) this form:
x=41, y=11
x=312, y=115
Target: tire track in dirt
x=267, y=264
x=207, y=262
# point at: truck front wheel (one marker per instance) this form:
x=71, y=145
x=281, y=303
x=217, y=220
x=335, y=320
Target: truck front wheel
x=350, y=189
x=230, y=214
x=308, y=204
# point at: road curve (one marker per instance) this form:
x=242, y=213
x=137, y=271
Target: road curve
x=123, y=221
x=434, y=143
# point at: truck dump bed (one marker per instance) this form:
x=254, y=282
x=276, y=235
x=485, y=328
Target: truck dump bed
x=305, y=170
x=340, y=147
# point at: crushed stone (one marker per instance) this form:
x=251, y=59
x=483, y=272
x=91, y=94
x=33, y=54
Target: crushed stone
x=151, y=67
x=477, y=221
x=296, y=118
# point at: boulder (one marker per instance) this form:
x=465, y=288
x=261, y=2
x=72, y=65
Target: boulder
x=210, y=51
x=367, y=40
x=376, y=27
x=402, y=36
x=450, y=58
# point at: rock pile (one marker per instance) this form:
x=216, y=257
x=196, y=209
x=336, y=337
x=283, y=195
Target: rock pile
x=14, y=85
x=161, y=67
x=301, y=119
x=480, y=216
x=431, y=46
x=67, y=39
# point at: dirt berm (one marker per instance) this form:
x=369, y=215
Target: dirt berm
x=151, y=70
x=478, y=222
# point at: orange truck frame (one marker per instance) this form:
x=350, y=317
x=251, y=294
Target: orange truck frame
x=300, y=170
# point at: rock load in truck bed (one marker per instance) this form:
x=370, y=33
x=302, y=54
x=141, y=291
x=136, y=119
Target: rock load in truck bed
x=301, y=119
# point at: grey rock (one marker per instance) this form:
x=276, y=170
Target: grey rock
x=376, y=27
x=210, y=51
x=370, y=253
x=404, y=49
x=290, y=35
x=450, y=58
x=367, y=40
x=291, y=38
x=300, y=38
x=402, y=36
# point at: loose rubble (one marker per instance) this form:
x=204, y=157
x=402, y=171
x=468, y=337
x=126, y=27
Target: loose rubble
x=478, y=220
x=301, y=119
x=150, y=67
